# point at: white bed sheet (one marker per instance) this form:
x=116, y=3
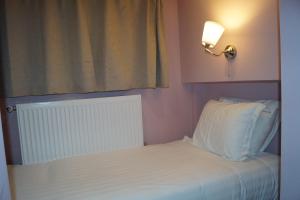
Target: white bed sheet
x=176, y=170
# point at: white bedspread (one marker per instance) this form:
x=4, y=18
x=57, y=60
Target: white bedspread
x=172, y=171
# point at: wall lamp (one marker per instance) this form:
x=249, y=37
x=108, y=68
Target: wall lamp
x=211, y=34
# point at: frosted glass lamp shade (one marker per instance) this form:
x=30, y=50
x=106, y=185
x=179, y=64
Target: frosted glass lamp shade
x=211, y=33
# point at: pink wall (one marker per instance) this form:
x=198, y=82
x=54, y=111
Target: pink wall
x=168, y=113
x=251, y=26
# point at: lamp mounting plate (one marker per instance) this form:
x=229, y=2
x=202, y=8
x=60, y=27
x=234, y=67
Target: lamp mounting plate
x=230, y=52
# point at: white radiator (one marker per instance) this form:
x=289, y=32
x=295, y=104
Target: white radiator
x=60, y=129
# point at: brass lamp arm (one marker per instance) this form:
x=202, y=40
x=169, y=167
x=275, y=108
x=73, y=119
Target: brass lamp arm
x=212, y=53
x=229, y=52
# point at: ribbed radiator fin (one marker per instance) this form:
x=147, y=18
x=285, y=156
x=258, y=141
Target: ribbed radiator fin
x=60, y=129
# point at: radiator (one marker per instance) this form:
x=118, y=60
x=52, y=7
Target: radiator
x=60, y=129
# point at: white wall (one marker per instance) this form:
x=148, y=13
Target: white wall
x=290, y=80
x=4, y=186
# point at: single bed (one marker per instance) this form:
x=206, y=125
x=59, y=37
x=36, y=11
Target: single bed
x=177, y=170
x=93, y=149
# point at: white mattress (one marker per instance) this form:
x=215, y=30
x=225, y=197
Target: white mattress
x=175, y=170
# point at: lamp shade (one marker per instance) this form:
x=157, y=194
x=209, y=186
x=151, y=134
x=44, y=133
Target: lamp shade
x=211, y=33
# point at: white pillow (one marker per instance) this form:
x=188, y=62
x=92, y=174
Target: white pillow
x=226, y=128
x=266, y=126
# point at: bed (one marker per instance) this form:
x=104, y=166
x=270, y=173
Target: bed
x=93, y=149
x=176, y=170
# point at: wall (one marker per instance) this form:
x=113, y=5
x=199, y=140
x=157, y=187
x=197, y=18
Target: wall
x=251, y=26
x=166, y=112
x=290, y=73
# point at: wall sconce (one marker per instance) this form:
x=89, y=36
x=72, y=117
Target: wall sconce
x=211, y=34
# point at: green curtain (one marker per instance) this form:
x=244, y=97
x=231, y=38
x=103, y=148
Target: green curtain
x=70, y=46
